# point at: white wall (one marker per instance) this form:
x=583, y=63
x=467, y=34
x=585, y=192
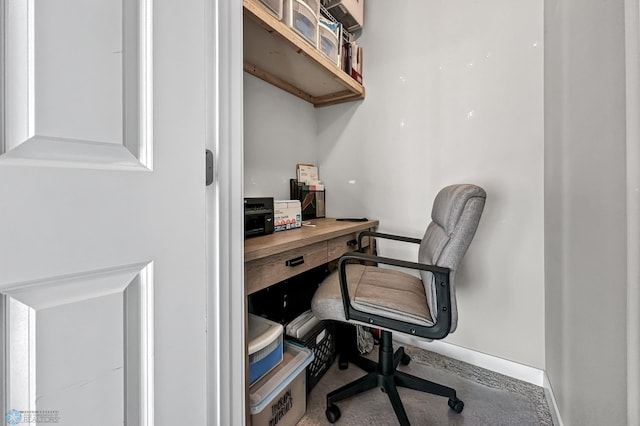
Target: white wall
x=454, y=94
x=280, y=131
x=585, y=210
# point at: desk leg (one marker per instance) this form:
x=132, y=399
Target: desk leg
x=247, y=403
x=370, y=247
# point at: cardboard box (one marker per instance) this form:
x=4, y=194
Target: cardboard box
x=349, y=12
x=287, y=214
x=280, y=397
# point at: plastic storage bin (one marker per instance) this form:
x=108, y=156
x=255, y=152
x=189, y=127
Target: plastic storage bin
x=314, y=5
x=280, y=397
x=275, y=7
x=265, y=346
x=329, y=35
x=299, y=16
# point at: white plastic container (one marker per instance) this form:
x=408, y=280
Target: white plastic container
x=329, y=35
x=280, y=397
x=302, y=19
x=275, y=7
x=265, y=346
x=314, y=5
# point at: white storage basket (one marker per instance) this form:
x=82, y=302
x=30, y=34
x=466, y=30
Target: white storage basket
x=302, y=19
x=265, y=346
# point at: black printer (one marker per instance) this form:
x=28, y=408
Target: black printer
x=258, y=216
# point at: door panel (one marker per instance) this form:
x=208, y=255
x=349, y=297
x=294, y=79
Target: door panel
x=76, y=345
x=102, y=212
x=78, y=85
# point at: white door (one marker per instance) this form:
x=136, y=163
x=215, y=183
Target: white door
x=102, y=212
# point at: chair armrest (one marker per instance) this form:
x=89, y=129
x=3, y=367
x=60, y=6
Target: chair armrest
x=391, y=261
x=385, y=236
x=442, y=323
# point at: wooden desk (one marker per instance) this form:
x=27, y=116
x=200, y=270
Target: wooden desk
x=272, y=258
x=269, y=259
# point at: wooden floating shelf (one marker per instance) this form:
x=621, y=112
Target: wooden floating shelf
x=278, y=55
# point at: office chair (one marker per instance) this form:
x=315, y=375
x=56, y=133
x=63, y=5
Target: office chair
x=394, y=301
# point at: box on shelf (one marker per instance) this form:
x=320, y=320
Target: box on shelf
x=304, y=20
x=349, y=12
x=287, y=215
x=265, y=346
x=275, y=7
x=280, y=397
x=314, y=5
x=329, y=36
x=356, y=62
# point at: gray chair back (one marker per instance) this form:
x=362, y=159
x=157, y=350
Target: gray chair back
x=455, y=217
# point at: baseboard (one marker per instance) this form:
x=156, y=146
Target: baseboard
x=551, y=401
x=489, y=362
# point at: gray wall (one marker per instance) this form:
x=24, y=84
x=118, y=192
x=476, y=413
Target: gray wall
x=454, y=94
x=632, y=47
x=585, y=217
x=280, y=131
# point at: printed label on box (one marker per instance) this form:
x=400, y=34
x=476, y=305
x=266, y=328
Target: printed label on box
x=281, y=407
x=287, y=215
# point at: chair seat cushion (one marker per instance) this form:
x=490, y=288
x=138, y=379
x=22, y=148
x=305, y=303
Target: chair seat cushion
x=380, y=291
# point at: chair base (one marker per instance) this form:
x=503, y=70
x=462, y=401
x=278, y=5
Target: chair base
x=384, y=374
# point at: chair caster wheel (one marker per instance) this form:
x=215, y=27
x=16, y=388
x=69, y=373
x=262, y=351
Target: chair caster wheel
x=456, y=405
x=333, y=413
x=405, y=360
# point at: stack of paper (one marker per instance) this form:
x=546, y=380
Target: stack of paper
x=307, y=174
x=300, y=326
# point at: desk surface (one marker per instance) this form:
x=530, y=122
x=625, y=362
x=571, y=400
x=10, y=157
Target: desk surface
x=278, y=242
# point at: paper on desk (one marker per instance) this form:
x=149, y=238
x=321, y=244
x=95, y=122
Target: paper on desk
x=307, y=173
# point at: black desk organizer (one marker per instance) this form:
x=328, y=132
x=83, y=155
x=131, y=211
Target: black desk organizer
x=312, y=202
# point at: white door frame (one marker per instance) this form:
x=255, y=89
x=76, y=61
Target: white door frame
x=225, y=236
x=632, y=54
x=79, y=222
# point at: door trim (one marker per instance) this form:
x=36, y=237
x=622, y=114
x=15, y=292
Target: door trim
x=225, y=236
x=632, y=58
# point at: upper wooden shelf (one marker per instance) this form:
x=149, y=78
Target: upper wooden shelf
x=276, y=54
